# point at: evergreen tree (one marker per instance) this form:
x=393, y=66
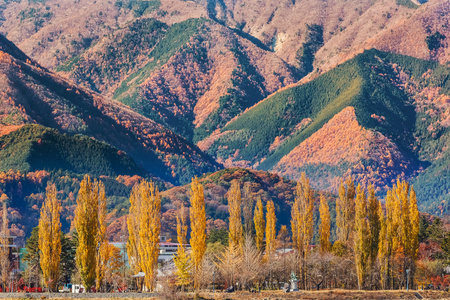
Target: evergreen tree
x=32, y=255
x=67, y=261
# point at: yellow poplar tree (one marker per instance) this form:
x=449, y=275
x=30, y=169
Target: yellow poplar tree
x=399, y=233
x=325, y=225
x=408, y=222
x=302, y=222
x=86, y=223
x=389, y=238
x=258, y=219
x=374, y=224
x=345, y=212
x=247, y=210
x=181, y=260
x=415, y=224
x=271, y=221
x=382, y=248
x=49, y=238
x=362, y=236
x=198, y=229
x=149, y=231
x=235, y=221
x=102, y=237
x=133, y=230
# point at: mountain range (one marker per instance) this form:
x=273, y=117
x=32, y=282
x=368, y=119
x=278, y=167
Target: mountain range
x=172, y=89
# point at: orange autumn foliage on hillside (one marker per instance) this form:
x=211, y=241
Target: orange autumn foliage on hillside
x=343, y=140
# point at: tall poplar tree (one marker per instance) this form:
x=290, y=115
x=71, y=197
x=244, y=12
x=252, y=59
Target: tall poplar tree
x=374, y=224
x=325, y=225
x=345, y=212
x=399, y=236
x=259, y=222
x=133, y=230
x=86, y=224
x=102, y=238
x=149, y=231
x=415, y=225
x=198, y=229
x=248, y=210
x=383, y=249
x=271, y=221
x=362, y=237
x=50, y=238
x=235, y=221
x=302, y=222
x=181, y=260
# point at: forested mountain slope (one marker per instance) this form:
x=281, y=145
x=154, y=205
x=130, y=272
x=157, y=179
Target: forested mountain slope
x=194, y=65
x=377, y=117
x=31, y=94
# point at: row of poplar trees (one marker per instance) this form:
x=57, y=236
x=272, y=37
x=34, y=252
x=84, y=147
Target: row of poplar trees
x=144, y=227
x=93, y=252
x=382, y=238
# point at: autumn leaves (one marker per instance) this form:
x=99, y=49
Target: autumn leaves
x=379, y=239
x=95, y=257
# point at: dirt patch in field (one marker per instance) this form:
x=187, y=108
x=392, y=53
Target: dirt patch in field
x=330, y=295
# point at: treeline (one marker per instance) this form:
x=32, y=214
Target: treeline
x=376, y=248
x=86, y=257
